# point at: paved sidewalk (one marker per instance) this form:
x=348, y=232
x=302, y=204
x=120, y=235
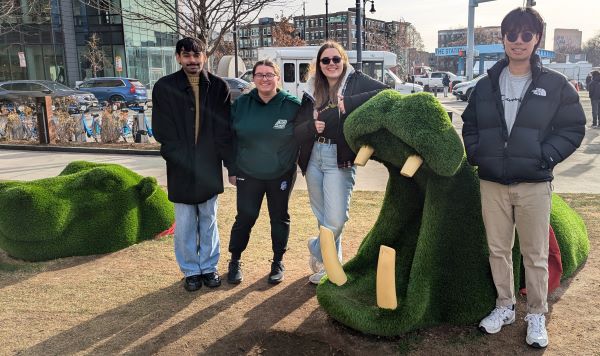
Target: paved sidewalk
x=580, y=173
x=30, y=165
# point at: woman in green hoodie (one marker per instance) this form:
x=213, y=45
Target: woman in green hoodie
x=265, y=163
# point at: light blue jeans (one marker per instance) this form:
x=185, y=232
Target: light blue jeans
x=329, y=191
x=197, y=247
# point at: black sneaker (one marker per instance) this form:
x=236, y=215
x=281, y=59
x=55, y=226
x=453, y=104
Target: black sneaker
x=276, y=275
x=193, y=283
x=234, y=274
x=211, y=280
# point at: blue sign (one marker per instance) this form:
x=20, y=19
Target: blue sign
x=485, y=49
x=449, y=51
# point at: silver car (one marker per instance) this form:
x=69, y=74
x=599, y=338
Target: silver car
x=51, y=88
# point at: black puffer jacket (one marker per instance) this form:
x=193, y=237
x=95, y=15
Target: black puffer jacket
x=549, y=126
x=358, y=88
x=594, y=89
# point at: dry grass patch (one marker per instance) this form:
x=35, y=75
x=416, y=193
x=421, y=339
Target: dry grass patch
x=132, y=301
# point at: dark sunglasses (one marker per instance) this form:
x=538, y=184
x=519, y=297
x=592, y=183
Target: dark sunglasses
x=334, y=59
x=525, y=36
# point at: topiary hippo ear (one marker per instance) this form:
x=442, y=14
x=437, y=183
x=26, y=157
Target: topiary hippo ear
x=146, y=187
x=418, y=120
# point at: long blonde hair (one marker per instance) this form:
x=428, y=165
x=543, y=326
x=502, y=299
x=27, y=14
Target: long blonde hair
x=323, y=93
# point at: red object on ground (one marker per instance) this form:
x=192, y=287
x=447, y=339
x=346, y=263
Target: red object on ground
x=554, y=264
x=169, y=231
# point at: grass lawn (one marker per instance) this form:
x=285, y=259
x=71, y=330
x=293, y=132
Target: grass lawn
x=132, y=301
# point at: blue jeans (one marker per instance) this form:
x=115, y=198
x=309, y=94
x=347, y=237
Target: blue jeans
x=329, y=191
x=197, y=248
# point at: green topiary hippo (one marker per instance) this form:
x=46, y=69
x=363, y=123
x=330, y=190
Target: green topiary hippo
x=90, y=208
x=432, y=221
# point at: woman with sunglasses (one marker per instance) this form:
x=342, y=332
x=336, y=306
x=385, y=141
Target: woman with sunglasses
x=265, y=164
x=326, y=160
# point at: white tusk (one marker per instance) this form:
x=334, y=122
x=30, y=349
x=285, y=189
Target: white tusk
x=411, y=165
x=363, y=155
x=333, y=266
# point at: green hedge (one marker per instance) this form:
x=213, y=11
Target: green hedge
x=90, y=208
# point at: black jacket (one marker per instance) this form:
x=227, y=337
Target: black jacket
x=594, y=89
x=549, y=126
x=446, y=80
x=194, y=170
x=359, y=88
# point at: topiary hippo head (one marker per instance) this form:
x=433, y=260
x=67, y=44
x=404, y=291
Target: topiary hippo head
x=90, y=208
x=431, y=220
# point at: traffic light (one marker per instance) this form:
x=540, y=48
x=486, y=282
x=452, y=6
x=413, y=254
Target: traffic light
x=530, y=3
x=461, y=52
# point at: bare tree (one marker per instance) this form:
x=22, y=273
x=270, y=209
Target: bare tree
x=592, y=50
x=95, y=55
x=207, y=20
x=15, y=17
x=285, y=34
x=403, y=39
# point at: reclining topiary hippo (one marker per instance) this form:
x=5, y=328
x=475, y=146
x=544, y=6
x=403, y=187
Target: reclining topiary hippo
x=90, y=208
x=433, y=223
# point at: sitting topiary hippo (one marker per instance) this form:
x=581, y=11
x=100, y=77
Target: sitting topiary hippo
x=431, y=220
x=90, y=208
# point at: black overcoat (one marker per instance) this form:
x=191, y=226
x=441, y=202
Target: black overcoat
x=194, y=169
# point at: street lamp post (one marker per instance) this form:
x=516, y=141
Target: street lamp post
x=235, y=44
x=372, y=11
x=358, y=36
x=326, y=20
x=471, y=36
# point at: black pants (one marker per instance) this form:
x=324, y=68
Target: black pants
x=250, y=193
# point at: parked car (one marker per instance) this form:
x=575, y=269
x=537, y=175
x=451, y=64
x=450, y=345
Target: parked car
x=237, y=87
x=115, y=89
x=463, y=90
x=51, y=88
x=392, y=80
x=432, y=80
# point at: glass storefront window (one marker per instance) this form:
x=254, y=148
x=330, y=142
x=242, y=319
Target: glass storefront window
x=35, y=62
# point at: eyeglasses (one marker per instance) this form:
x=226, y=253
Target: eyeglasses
x=525, y=36
x=334, y=59
x=268, y=76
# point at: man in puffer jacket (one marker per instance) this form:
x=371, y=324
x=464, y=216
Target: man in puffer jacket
x=520, y=122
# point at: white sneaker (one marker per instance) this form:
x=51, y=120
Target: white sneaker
x=499, y=317
x=316, y=278
x=313, y=262
x=536, y=331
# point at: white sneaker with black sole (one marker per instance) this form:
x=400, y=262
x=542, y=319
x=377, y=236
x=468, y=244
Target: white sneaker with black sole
x=536, y=331
x=499, y=317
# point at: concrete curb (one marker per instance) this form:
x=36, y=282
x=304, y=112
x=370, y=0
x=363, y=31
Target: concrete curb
x=90, y=150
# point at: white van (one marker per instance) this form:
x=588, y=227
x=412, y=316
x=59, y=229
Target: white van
x=295, y=64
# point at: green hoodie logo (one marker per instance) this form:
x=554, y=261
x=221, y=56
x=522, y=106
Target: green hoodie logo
x=280, y=124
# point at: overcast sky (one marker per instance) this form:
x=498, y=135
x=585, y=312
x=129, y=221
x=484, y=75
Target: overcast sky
x=429, y=16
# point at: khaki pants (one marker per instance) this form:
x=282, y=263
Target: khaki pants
x=526, y=206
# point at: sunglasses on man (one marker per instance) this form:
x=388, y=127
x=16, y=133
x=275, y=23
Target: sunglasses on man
x=334, y=59
x=526, y=36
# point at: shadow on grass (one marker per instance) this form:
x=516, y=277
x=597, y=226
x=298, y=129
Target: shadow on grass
x=13, y=271
x=247, y=335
